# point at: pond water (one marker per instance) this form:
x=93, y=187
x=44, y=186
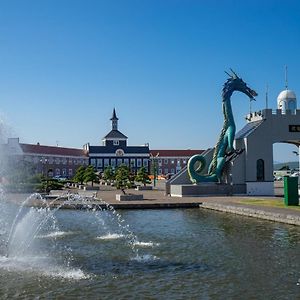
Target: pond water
x=148, y=254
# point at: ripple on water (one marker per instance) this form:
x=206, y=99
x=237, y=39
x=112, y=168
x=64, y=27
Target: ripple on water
x=110, y=236
x=41, y=267
x=56, y=234
x=145, y=258
x=146, y=244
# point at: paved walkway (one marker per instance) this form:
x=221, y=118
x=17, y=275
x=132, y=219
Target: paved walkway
x=234, y=204
x=157, y=199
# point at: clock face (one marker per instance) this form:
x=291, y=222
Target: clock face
x=119, y=152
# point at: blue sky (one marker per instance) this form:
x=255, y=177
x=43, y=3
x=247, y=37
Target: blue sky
x=66, y=64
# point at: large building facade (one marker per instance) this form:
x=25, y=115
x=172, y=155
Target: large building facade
x=47, y=160
x=171, y=161
x=115, y=151
x=60, y=161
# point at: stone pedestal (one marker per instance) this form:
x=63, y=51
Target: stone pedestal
x=144, y=188
x=91, y=188
x=201, y=189
x=128, y=197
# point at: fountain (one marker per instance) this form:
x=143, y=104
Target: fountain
x=31, y=231
x=32, y=224
x=97, y=252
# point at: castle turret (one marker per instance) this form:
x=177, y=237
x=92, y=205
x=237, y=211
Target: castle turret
x=287, y=100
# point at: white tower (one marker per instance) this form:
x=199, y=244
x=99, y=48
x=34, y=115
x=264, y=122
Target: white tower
x=287, y=98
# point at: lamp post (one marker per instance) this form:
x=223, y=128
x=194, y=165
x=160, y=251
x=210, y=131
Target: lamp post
x=154, y=167
x=297, y=154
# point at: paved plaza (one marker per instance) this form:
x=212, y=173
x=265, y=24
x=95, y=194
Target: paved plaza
x=157, y=199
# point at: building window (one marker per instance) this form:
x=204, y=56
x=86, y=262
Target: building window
x=93, y=162
x=166, y=171
x=172, y=171
x=132, y=163
x=113, y=162
x=260, y=170
x=116, y=143
x=159, y=171
x=70, y=172
x=57, y=161
x=159, y=161
x=184, y=161
x=126, y=162
x=70, y=162
x=99, y=162
x=145, y=163
x=172, y=161
x=64, y=161
x=106, y=162
x=119, y=161
x=119, y=152
x=166, y=161
x=138, y=162
x=64, y=172
x=57, y=171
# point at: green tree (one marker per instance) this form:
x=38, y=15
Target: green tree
x=90, y=175
x=123, y=178
x=142, y=176
x=108, y=174
x=79, y=175
x=47, y=185
x=284, y=167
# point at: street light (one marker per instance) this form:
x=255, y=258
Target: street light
x=154, y=167
x=297, y=154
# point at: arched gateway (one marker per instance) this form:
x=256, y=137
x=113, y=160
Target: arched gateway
x=253, y=169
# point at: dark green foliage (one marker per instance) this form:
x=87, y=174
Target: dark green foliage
x=285, y=167
x=90, y=175
x=123, y=179
x=142, y=176
x=109, y=174
x=48, y=184
x=79, y=175
x=36, y=183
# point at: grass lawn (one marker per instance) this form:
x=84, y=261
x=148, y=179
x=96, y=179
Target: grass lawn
x=269, y=202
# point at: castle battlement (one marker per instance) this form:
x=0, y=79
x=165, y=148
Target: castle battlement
x=272, y=113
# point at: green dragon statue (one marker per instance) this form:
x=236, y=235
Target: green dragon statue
x=224, y=146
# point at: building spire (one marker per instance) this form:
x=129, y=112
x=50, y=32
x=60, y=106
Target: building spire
x=114, y=115
x=286, y=77
x=114, y=120
x=267, y=96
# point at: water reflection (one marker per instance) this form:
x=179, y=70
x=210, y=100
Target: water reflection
x=192, y=253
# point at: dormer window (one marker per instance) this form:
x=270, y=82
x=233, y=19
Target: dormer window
x=116, y=143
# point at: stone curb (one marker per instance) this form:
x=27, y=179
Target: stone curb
x=255, y=213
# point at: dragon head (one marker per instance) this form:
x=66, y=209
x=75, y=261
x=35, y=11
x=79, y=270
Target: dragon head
x=235, y=83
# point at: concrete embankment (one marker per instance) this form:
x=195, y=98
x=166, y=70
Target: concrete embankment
x=261, y=213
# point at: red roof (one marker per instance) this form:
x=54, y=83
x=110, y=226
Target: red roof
x=175, y=153
x=52, y=150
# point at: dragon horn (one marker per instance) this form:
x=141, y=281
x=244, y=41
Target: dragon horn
x=234, y=73
x=228, y=74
